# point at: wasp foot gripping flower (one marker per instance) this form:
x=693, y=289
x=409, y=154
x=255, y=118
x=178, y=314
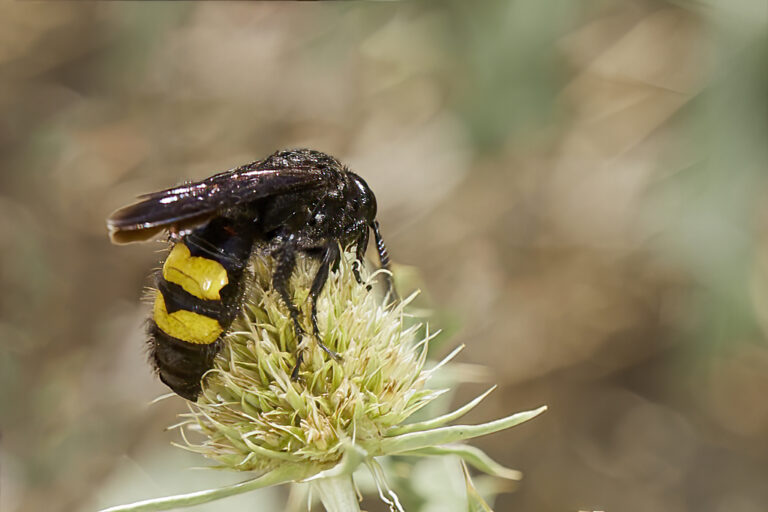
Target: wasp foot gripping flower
x=339, y=413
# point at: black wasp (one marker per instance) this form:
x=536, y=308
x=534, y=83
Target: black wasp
x=296, y=201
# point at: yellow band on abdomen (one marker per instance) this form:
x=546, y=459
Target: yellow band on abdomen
x=199, y=276
x=186, y=325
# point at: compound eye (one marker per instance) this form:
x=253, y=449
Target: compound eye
x=367, y=202
x=361, y=186
x=366, y=196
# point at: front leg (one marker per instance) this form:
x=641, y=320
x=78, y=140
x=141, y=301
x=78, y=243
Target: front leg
x=362, y=245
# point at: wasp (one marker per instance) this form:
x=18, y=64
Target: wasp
x=292, y=202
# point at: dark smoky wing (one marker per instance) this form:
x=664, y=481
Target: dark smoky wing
x=250, y=185
x=203, y=199
x=157, y=212
x=190, y=189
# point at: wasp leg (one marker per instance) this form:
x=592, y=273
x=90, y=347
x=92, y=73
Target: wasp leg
x=362, y=245
x=299, y=360
x=384, y=259
x=285, y=258
x=331, y=256
x=285, y=262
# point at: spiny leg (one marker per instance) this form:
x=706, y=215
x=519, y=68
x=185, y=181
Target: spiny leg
x=285, y=262
x=362, y=245
x=384, y=259
x=331, y=256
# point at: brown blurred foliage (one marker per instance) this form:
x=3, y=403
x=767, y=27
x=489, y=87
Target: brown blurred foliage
x=581, y=186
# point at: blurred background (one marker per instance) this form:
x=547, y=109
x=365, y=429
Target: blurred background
x=578, y=187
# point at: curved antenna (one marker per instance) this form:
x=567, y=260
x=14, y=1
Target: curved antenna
x=385, y=263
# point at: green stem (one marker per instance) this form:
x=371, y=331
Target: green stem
x=337, y=493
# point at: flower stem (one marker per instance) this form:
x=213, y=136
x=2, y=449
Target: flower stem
x=337, y=493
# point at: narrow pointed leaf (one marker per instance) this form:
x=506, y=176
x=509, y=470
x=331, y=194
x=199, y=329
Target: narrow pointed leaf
x=475, y=502
x=472, y=456
x=440, y=420
x=280, y=475
x=452, y=434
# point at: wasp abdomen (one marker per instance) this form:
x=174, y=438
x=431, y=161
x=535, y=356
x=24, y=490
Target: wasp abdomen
x=197, y=297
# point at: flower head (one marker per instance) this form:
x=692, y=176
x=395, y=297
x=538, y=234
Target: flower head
x=256, y=417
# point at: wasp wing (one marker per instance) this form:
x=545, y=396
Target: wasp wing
x=194, y=203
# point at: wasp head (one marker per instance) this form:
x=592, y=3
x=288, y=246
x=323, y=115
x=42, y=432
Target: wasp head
x=366, y=201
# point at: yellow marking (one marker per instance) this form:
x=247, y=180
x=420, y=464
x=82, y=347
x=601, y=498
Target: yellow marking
x=199, y=276
x=186, y=325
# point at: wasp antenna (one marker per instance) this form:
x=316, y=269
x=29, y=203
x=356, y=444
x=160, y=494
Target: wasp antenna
x=380, y=247
x=385, y=263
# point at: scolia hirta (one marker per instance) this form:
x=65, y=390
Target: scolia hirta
x=297, y=201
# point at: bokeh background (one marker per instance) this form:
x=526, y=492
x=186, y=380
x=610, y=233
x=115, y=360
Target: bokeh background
x=578, y=187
